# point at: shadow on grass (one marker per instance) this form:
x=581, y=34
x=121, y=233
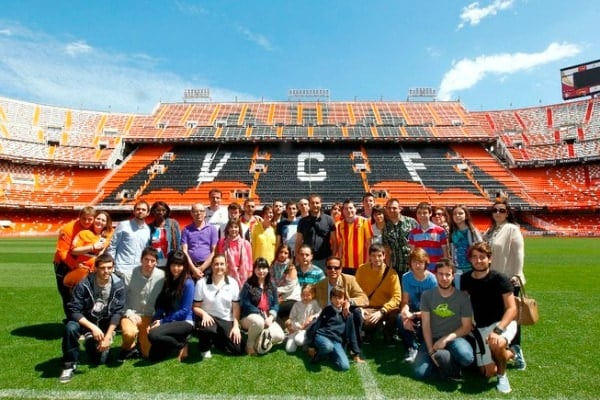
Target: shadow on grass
x=310, y=364
x=50, y=368
x=46, y=331
x=475, y=383
x=470, y=384
x=302, y=354
x=194, y=356
x=390, y=361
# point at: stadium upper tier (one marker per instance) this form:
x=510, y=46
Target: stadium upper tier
x=545, y=134
x=52, y=156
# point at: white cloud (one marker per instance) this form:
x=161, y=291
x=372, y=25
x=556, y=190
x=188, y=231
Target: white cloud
x=257, y=38
x=473, y=13
x=466, y=73
x=433, y=52
x=76, y=48
x=33, y=67
x=190, y=9
x=5, y=32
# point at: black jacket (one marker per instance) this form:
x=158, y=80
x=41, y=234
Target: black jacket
x=82, y=300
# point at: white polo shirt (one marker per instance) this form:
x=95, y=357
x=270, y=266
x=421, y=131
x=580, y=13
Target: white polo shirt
x=217, y=301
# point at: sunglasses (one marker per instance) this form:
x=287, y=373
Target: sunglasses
x=330, y=267
x=499, y=210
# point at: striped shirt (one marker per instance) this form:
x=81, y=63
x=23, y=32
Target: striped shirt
x=433, y=240
x=354, y=239
x=313, y=275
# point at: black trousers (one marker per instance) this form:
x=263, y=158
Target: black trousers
x=60, y=270
x=217, y=335
x=168, y=337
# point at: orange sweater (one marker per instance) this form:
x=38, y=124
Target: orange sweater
x=65, y=242
x=387, y=295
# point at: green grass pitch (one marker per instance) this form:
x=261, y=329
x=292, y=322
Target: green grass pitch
x=561, y=350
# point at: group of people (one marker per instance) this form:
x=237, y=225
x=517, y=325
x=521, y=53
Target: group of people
x=460, y=309
x=244, y=281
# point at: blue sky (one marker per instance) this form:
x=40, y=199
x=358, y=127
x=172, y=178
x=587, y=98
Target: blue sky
x=128, y=55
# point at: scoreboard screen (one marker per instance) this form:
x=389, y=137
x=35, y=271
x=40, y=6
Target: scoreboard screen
x=580, y=80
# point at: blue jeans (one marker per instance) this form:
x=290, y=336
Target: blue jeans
x=334, y=350
x=410, y=339
x=70, y=345
x=458, y=353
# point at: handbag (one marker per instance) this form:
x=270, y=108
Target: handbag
x=264, y=343
x=527, y=308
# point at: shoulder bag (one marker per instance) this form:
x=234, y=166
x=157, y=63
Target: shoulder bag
x=527, y=308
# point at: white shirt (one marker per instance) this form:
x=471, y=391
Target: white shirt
x=218, y=218
x=217, y=301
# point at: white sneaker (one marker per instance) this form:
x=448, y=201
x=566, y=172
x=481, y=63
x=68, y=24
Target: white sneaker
x=290, y=345
x=206, y=354
x=66, y=375
x=411, y=355
x=503, y=385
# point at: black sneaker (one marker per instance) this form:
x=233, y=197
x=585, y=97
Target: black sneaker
x=128, y=355
x=103, y=357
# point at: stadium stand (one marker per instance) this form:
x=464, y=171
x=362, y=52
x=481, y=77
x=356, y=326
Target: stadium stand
x=546, y=158
x=543, y=135
x=570, y=187
x=46, y=186
x=60, y=135
x=183, y=177
x=116, y=187
x=292, y=174
x=565, y=224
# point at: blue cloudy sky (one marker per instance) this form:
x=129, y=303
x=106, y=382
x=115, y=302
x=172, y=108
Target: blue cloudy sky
x=128, y=55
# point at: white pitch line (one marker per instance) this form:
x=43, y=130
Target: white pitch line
x=368, y=382
x=100, y=395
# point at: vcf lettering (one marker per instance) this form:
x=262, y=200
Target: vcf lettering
x=305, y=161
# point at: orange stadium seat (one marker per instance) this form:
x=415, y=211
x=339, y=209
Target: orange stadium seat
x=545, y=158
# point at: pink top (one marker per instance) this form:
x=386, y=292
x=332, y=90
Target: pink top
x=238, y=256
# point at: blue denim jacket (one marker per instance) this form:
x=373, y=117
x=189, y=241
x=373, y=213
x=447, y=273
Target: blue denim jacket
x=250, y=297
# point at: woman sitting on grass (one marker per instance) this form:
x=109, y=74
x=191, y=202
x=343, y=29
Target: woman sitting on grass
x=217, y=310
x=173, y=321
x=259, y=304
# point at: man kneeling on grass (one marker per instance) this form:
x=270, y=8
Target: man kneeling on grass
x=446, y=316
x=331, y=331
x=95, y=309
x=495, y=310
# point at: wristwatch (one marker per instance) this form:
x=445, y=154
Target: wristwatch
x=498, y=330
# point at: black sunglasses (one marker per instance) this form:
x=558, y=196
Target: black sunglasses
x=330, y=267
x=499, y=210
